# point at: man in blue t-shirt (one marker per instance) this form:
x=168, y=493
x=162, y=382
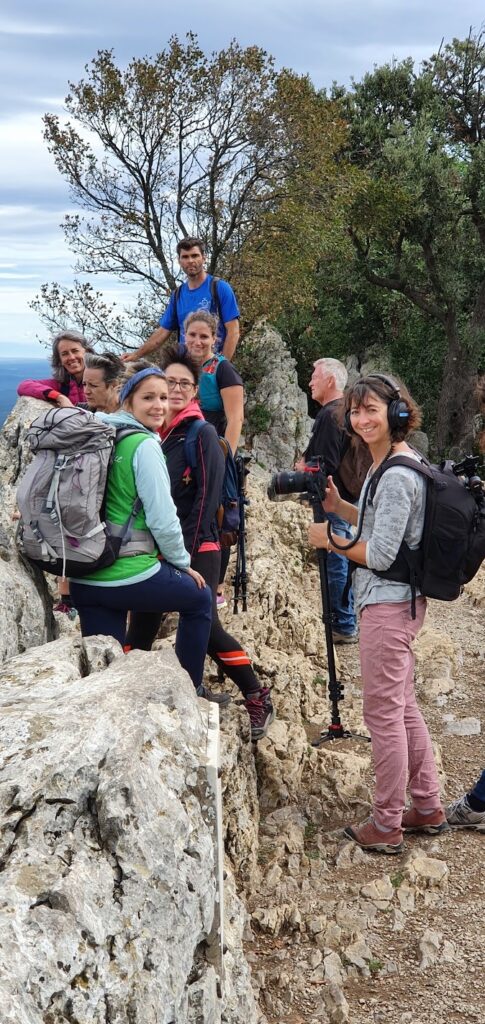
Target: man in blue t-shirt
x=199, y=291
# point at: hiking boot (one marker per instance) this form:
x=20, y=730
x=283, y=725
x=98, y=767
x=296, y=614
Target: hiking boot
x=345, y=638
x=369, y=837
x=459, y=814
x=216, y=698
x=221, y=601
x=261, y=713
x=431, y=824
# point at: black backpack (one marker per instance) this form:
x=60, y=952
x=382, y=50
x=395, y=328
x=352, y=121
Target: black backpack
x=228, y=515
x=215, y=301
x=452, y=547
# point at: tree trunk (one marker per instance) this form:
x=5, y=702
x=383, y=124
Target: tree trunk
x=457, y=404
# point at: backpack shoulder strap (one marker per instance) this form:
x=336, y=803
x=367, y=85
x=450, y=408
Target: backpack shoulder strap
x=216, y=302
x=122, y=432
x=211, y=366
x=190, y=443
x=423, y=468
x=176, y=296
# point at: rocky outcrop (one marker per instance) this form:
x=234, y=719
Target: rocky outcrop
x=110, y=902
x=25, y=606
x=276, y=407
x=107, y=845
x=283, y=632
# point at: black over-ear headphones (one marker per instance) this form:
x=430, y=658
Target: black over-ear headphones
x=398, y=411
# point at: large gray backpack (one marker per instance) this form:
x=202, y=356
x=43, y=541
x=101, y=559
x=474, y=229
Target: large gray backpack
x=61, y=496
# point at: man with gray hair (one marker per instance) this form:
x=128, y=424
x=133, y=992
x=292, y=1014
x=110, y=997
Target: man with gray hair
x=330, y=442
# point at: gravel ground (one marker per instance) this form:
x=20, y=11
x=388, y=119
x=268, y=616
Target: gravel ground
x=423, y=958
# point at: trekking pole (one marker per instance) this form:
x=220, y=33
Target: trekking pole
x=335, y=729
x=240, y=579
x=311, y=485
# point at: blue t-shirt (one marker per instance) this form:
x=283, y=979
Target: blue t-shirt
x=192, y=299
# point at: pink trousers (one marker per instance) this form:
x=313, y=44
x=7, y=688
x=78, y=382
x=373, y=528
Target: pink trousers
x=401, y=745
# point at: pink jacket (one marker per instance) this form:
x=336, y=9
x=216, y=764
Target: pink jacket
x=45, y=389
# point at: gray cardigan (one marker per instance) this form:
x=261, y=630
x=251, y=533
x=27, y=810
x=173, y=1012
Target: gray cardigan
x=396, y=514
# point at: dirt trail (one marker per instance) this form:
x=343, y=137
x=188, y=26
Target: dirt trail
x=409, y=949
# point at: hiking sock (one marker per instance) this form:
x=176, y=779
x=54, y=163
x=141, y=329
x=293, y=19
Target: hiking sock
x=383, y=828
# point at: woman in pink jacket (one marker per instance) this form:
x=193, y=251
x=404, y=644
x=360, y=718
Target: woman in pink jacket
x=65, y=387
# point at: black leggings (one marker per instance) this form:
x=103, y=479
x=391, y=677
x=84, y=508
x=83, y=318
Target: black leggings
x=225, y=556
x=222, y=648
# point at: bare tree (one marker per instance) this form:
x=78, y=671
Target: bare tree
x=180, y=145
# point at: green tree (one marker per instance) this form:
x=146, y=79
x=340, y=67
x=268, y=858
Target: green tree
x=417, y=217
x=221, y=147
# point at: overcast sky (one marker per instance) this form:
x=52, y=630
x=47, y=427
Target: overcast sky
x=45, y=45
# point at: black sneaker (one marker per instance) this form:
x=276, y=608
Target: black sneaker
x=217, y=698
x=261, y=713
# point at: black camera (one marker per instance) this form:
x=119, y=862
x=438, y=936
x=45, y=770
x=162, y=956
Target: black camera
x=468, y=469
x=312, y=481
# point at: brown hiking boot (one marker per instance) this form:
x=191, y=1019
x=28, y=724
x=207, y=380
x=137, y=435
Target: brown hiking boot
x=369, y=837
x=431, y=824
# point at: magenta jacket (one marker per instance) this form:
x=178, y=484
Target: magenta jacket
x=50, y=389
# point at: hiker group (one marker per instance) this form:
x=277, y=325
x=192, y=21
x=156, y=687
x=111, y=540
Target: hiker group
x=161, y=513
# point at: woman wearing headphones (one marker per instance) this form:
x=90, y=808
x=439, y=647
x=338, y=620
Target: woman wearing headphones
x=382, y=413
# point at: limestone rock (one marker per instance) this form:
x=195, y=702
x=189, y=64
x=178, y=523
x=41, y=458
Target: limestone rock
x=273, y=919
x=107, y=831
x=436, y=663
x=287, y=423
x=429, y=945
x=353, y=920
x=463, y=727
x=238, y=1005
x=358, y=953
x=26, y=618
x=333, y=968
x=272, y=877
x=316, y=925
x=406, y=897
x=349, y=855
x=337, y=777
x=426, y=872
x=239, y=794
x=336, y=1004
x=380, y=891
x=398, y=920
x=280, y=760
x=448, y=952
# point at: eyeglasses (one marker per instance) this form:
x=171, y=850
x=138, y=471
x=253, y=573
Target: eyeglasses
x=184, y=385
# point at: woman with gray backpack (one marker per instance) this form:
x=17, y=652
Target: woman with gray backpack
x=152, y=571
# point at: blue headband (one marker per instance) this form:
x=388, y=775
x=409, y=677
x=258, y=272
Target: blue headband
x=149, y=371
